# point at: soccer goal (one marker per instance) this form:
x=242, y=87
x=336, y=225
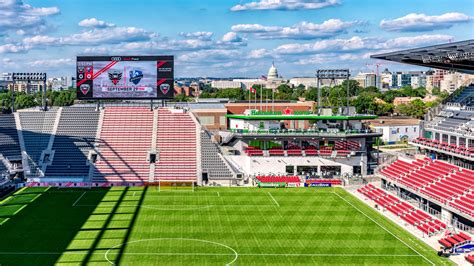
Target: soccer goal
x=185, y=186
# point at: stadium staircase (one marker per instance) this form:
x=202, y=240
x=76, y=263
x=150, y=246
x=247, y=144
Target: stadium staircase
x=212, y=163
x=176, y=146
x=415, y=217
x=448, y=184
x=124, y=145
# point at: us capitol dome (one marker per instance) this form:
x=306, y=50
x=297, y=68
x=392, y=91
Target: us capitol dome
x=272, y=72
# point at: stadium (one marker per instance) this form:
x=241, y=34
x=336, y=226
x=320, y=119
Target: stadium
x=143, y=180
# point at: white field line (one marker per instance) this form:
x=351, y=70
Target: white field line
x=78, y=199
x=175, y=207
x=274, y=200
x=215, y=254
x=381, y=226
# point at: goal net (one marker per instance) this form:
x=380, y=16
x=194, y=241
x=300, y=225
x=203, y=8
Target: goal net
x=176, y=186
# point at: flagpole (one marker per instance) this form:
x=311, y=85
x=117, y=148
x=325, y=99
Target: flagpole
x=266, y=100
x=273, y=100
x=256, y=104
x=249, y=96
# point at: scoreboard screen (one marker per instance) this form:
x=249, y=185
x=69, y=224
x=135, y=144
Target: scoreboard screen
x=125, y=77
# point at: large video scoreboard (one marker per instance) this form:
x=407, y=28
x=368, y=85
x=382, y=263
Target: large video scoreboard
x=125, y=77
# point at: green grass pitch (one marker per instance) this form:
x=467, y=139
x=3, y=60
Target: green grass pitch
x=210, y=226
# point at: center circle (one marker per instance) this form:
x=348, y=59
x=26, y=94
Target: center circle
x=233, y=252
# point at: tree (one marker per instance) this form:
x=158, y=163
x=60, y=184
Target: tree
x=365, y=103
x=416, y=108
x=284, y=88
x=354, y=87
x=181, y=98
x=23, y=100
x=436, y=91
x=311, y=94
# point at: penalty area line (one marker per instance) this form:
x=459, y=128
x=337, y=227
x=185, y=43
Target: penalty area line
x=274, y=200
x=381, y=226
x=78, y=199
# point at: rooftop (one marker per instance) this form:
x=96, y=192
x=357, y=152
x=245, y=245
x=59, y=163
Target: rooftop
x=394, y=121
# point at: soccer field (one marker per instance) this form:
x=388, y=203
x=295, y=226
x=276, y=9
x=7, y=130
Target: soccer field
x=213, y=226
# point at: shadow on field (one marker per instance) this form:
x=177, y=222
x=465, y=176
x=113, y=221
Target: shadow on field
x=46, y=226
x=119, y=235
x=39, y=224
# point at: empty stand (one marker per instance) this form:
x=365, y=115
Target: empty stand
x=125, y=141
x=253, y=151
x=9, y=143
x=438, y=180
x=37, y=127
x=212, y=163
x=454, y=240
x=417, y=218
x=176, y=145
x=75, y=137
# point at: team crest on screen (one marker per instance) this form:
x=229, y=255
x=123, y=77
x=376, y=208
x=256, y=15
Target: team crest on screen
x=85, y=88
x=164, y=88
x=136, y=76
x=115, y=76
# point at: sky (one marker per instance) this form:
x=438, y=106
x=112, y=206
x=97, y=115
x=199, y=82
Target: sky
x=231, y=38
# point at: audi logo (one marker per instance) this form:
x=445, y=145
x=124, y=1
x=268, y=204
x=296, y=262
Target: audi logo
x=116, y=58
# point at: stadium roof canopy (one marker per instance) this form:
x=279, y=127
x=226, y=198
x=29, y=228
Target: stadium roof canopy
x=457, y=56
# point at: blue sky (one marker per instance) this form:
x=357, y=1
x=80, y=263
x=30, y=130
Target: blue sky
x=226, y=38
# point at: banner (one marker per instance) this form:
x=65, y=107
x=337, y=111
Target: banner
x=318, y=185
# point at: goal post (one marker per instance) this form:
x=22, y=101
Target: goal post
x=176, y=185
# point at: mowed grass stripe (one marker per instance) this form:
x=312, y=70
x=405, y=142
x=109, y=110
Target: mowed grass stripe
x=308, y=222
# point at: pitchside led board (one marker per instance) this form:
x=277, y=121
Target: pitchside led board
x=125, y=77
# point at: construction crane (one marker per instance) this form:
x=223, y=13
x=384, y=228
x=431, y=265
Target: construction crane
x=377, y=65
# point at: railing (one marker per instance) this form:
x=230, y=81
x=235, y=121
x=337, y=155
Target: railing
x=463, y=227
x=444, y=129
x=336, y=132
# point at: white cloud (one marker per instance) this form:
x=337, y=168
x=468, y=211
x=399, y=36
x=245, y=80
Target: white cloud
x=52, y=63
x=209, y=56
x=259, y=53
x=285, y=5
x=352, y=44
x=421, y=22
x=202, y=35
x=108, y=36
x=165, y=45
x=94, y=23
x=41, y=40
x=231, y=37
x=302, y=30
x=96, y=36
x=15, y=16
x=357, y=43
x=13, y=48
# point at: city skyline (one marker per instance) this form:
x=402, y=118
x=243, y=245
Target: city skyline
x=226, y=38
